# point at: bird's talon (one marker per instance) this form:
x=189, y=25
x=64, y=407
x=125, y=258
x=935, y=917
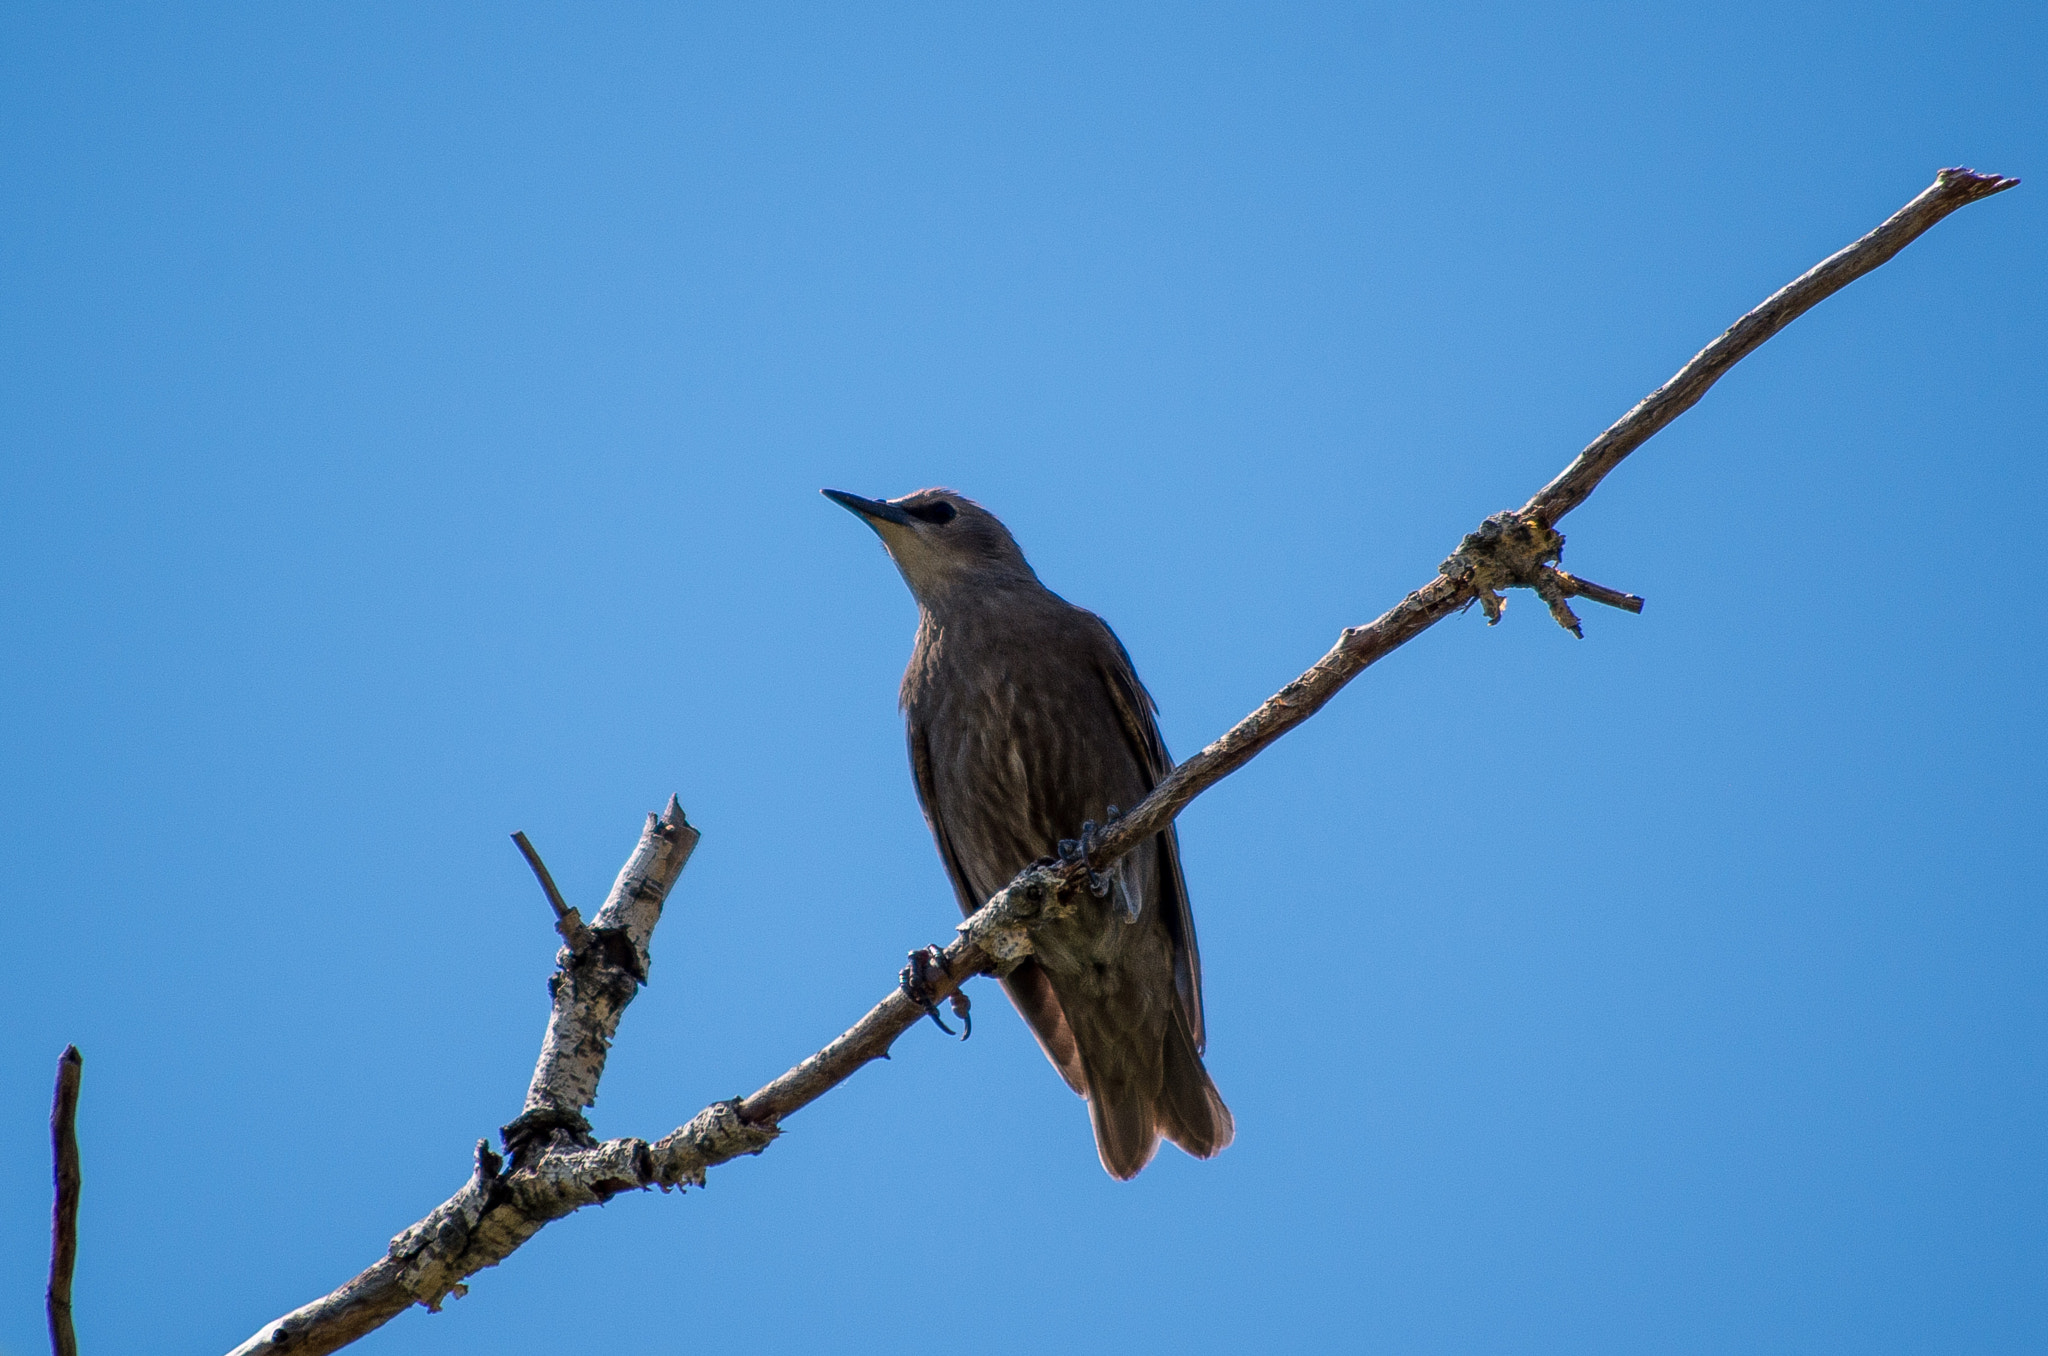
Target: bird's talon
x=915, y=981
x=964, y=1011
x=1098, y=884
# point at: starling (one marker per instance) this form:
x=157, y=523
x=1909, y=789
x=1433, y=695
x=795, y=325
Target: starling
x=1026, y=722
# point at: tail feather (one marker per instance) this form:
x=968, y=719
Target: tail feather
x=1131, y=1112
x=1126, y=1133
x=1191, y=1112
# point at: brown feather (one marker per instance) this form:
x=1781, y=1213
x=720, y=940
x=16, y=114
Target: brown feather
x=1024, y=718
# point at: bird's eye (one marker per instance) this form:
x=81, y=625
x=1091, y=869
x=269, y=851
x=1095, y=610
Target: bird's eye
x=940, y=512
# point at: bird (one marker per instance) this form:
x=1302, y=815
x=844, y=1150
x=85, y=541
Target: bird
x=1027, y=725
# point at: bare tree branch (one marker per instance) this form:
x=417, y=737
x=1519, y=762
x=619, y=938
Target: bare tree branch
x=556, y=1165
x=1510, y=548
x=1952, y=188
x=64, y=1213
x=568, y=921
x=591, y=987
x=1360, y=646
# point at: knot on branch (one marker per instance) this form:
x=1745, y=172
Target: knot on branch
x=1519, y=550
x=614, y=948
x=715, y=1135
x=1002, y=927
x=560, y=1181
x=539, y=1128
x=1509, y=551
x=609, y=969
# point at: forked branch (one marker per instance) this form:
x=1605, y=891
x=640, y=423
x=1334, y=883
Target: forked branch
x=557, y=1167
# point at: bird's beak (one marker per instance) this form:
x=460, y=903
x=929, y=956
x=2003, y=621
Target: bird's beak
x=873, y=509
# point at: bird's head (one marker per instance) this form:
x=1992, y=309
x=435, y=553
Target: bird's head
x=940, y=541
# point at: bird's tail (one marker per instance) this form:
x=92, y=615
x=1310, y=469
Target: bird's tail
x=1184, y=1106
x=1191, y=1111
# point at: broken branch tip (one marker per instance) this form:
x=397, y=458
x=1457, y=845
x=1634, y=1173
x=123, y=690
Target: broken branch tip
x=1984, y=184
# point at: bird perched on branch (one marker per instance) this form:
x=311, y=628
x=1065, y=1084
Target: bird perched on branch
x=1025, y=723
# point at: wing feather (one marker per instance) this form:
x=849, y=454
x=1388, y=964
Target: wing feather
x=1028, y=986
x=1135, y=709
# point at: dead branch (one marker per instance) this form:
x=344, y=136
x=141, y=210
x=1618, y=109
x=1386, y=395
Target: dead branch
x=557, y=1167
x=568, y=921
x=64, y=1213
x=1952, y=188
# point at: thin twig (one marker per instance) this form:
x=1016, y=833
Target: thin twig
x=568, y=922
x=1952, y=188
x=560, y=1169
x=1360, y=646
x=1599, y=593
x=64, y=1214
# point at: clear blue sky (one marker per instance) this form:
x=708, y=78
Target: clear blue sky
x=413, y=422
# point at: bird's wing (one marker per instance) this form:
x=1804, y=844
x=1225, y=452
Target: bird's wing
x=1135, y=707
x=928, y=800
x=1027, y=984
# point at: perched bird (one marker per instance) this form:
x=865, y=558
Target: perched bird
x=1025, y=722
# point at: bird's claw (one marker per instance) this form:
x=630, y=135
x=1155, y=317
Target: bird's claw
x=916, y=982
x=1072, y=849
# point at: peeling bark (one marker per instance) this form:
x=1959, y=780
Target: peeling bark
x=593, y=985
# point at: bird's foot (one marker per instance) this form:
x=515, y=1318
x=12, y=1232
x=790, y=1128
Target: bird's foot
x=1123, y=893
x=1073, y=849
x=916, y=983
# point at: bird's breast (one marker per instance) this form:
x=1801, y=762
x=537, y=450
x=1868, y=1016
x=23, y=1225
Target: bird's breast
x=1023, y=749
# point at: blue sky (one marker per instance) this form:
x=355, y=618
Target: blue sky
x=413, y=420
